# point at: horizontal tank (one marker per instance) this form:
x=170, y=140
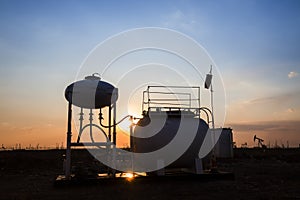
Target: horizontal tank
x=140, y=144
x=91, y=93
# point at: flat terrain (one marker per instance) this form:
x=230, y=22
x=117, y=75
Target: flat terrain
x=270, y=174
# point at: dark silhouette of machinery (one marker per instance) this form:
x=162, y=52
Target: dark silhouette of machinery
x=245, y=145
x=91, y=93
x=260, y=142
x=166, y=109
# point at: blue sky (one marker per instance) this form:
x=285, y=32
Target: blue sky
x=256, y=45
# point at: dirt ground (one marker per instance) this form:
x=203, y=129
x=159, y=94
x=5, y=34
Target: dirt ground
x=270, y=174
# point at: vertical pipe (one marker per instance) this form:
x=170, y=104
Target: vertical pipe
x=199, y=102
x=91, y=125
x=109, y=123
x=212, y=105
x=100, y=116
x=114, y=124
x=131, y=145
x=214, y=162
x=148, y=100
x=80, y=124
x=143, y=101
x=131, y=134
x=69, y=136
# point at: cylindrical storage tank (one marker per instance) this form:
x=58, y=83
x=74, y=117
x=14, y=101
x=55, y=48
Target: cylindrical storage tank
x=91, y=93
x=224, y=146
x=166, y=134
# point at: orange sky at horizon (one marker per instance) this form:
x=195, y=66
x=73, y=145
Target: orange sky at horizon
x=255, y=46
x=47, y=132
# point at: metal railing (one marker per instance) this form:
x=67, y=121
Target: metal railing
x=172, y=98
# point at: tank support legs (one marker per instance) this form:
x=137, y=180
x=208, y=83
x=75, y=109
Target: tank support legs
x=68, y=150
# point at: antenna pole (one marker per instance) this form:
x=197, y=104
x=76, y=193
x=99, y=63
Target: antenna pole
x=213, y=123
x=212, y=101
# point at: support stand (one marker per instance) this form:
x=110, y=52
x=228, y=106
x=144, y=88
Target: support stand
x=69, y=137
x=111, y=139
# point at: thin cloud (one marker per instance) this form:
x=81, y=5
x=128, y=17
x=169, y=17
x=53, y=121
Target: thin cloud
x=284, y=126
x=27, y=129
x=277, y=99
x=5, y=124
x=293, y=75
x=180, y=20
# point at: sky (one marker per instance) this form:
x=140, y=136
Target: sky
x=255, y=44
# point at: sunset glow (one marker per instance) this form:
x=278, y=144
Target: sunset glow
x=255, y=44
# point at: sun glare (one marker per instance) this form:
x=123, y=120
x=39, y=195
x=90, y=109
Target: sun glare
x=129, y=175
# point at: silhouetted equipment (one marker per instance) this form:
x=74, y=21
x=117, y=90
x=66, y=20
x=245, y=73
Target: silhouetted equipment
x=259, y=142
x=225, y=144
x=208, y=79
x=169, y=106
x=91, y=93
x=245, y=145
x=172, y=104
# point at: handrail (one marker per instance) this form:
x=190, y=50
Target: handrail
x=156, y=97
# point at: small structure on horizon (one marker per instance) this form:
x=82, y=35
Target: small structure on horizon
x=260, y=142
x=245, y=145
